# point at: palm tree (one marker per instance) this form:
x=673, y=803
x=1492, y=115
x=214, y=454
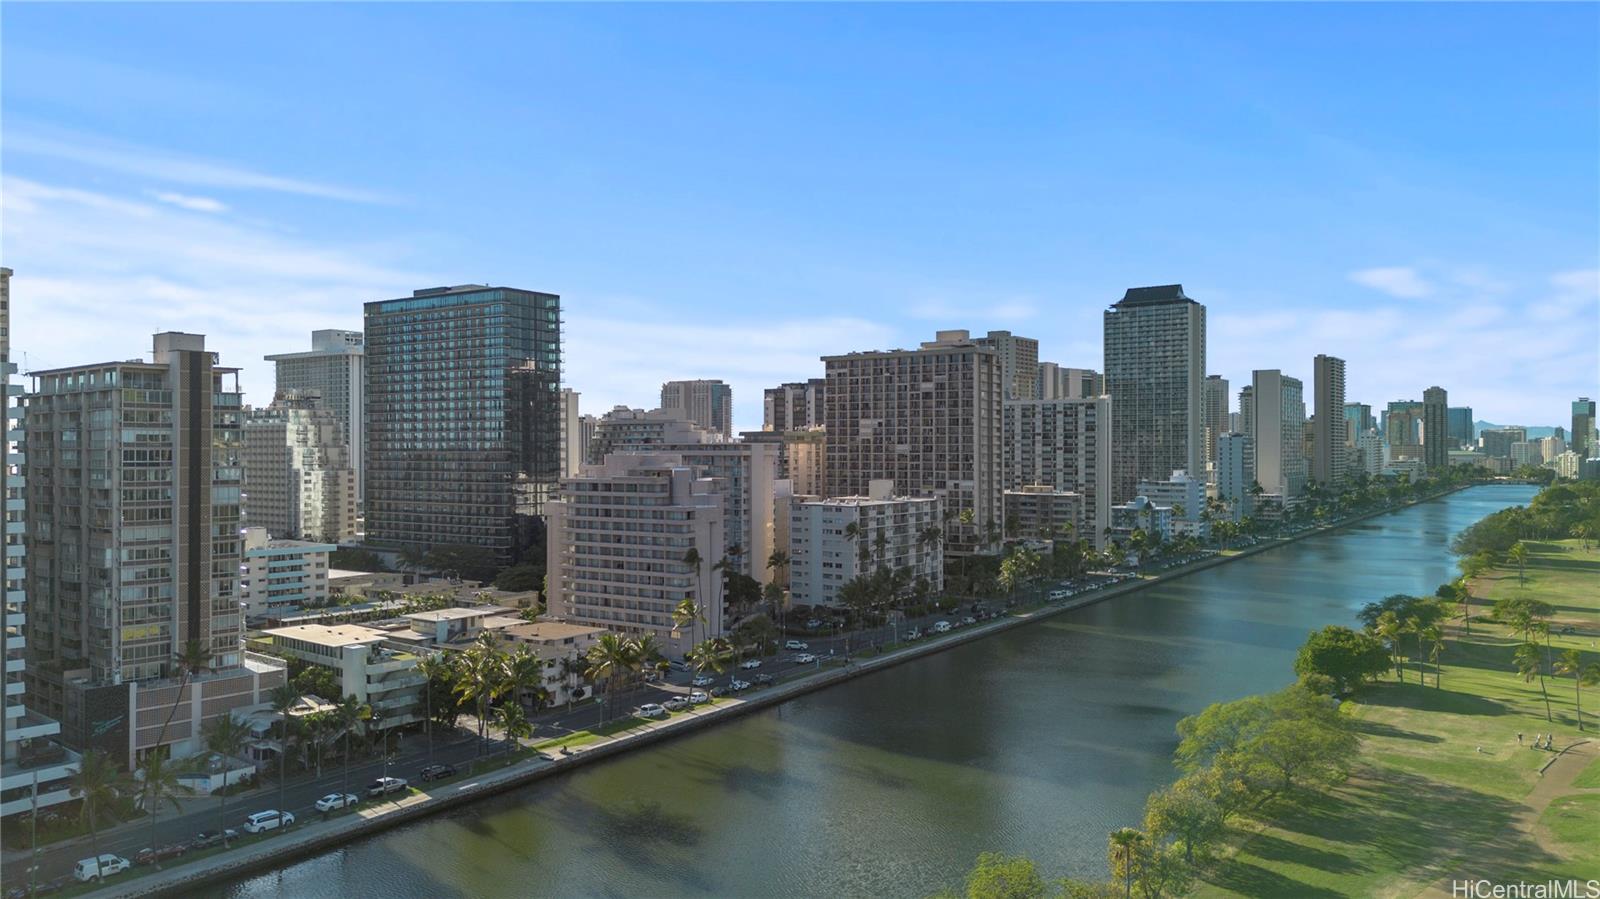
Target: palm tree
x=1389, y=630
x=609, y=660
x=1571, y=663
x=1435, y=638
x=1528, y=665
x=646, y=652
x=436, y=667
x=484, y=678
x=349, y=712
x=1518, y=556
x=159, y=781
x=526, y=670
x=513, y=723
x=687, y=612
x=713, y=655
x=283, y=698
x=880, y=545
x=1126, y=845
x=226, y=737
x=778, y=563
x=193, y=659
x=97, y=783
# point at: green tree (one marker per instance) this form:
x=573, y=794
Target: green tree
x=283, y=698
x=1389, y=630
x=1518, y=556
x=998, y=876
x=483, y=678
x=610, y=660
x=98, y=784
x=1570, y=663
x=349, y=714
x=1125, y=849
x=522, y=578
x=513, y=724
x=158, y=783
x=1344, y=657
x=1187, y=813
x=226, y=736
x=1526, y=659
x=1435, y=640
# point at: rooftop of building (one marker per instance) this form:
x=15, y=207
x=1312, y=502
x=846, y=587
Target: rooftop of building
x=1159, y=295
x=330, y=635
x=550, y=630
x=457, y=613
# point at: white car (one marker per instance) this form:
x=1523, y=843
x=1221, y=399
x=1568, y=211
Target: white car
x=795, y=644
x=941, y=627
x=1060, y=594
x=750, y=664
x=100, y=866
x=383, y=786
x=969, y=620
x=675, y=704
x=702, y=680
x=805, y=658
x=699, y=696
x=267, y=820
x=651, y=710
x=739, y=684
x=334, y=801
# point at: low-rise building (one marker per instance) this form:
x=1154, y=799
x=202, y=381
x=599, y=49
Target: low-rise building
x=1141, y=514
x=279, y=576
x=833, y=541
x=375, y=673
x=1186, y=497
x=563, y=647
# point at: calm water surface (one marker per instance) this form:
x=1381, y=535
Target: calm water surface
x=1037, y=741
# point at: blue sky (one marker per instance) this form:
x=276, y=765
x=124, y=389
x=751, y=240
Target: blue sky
x=733, y=190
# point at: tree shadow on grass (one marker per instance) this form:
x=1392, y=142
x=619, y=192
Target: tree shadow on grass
x=1379, y=729
x=1431, y=699
x=1252, y=880
x=1272, y=848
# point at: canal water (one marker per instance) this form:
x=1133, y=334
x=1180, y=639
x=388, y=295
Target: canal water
x=1036, y=741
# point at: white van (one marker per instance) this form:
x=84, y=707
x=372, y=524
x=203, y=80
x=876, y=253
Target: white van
x=267, y=820
x=104, y=866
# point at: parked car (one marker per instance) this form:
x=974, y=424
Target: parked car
x=1059, y=594
x=702, y=680
x=160, y=854
x=437, y=772
x=651, y=710
x=205, y=839
x=969, y=620
x=719, y=691
x=813, y=624
x=914, y=634
x=100, y=866
x=795, y=644
x=384, y=785
x=737, y=684
x=271, y=819
x=335, y=801
x=750, y=664
x=941, y=627
x=805, y=658
x=699, y=696
x=763, y=679
x=675, y=704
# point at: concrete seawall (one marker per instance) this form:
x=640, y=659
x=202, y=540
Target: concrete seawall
x=315, y=838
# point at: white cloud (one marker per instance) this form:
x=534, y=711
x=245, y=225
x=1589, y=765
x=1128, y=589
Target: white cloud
x=1583, y=282
x=1396, y=281
x=191, y=203
x=998, y=313
x=155, y=164
x=96, y=275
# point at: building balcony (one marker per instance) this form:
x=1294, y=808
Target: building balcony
x=392, y=683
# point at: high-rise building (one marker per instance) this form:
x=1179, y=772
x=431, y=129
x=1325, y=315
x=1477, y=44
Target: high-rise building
x=708, y=404
x=1435, y=428
x=35, y=771
x=335, y=370
x=625, y=430
x=822, y=559
x=1460, y=424
x=1279, y=416
x=1064, y=445
x=1402, y=429
x=299, y=477
x=1496, y=442
x=1019, y=363
x=793, y=407
x=801, y=458
x=1236, y=471
x=1583, y=427
x=928, y=419
x=463, y=416
x=1328, y=436
x=1155, y=360
x=1247, y=411
x=1358, y=420
x=1216, y=400
x=574, y=439
x=1058, y=383
x=138, y=548
x=618, y=548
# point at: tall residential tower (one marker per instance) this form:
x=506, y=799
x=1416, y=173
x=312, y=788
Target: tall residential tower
x=1155, y=361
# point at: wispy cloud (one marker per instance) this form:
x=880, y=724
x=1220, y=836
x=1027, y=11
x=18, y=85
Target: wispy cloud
x=97, y=274
x=191, y=203
x=161, y=166
x=975, y=310
x=1396, y=281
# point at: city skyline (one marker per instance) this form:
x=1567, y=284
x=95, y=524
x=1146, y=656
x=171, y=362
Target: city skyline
x=706, y=226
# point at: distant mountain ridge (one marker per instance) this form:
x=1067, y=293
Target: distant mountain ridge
x=1534, y=433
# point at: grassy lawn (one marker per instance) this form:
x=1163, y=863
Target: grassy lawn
x=1440, y=784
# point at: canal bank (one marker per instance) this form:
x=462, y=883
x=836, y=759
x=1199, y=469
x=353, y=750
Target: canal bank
x=791, y=700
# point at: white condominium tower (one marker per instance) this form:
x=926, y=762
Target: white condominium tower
x=927, y=419
x=334, y=370
x=1280, y=421
x=1155, y=361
